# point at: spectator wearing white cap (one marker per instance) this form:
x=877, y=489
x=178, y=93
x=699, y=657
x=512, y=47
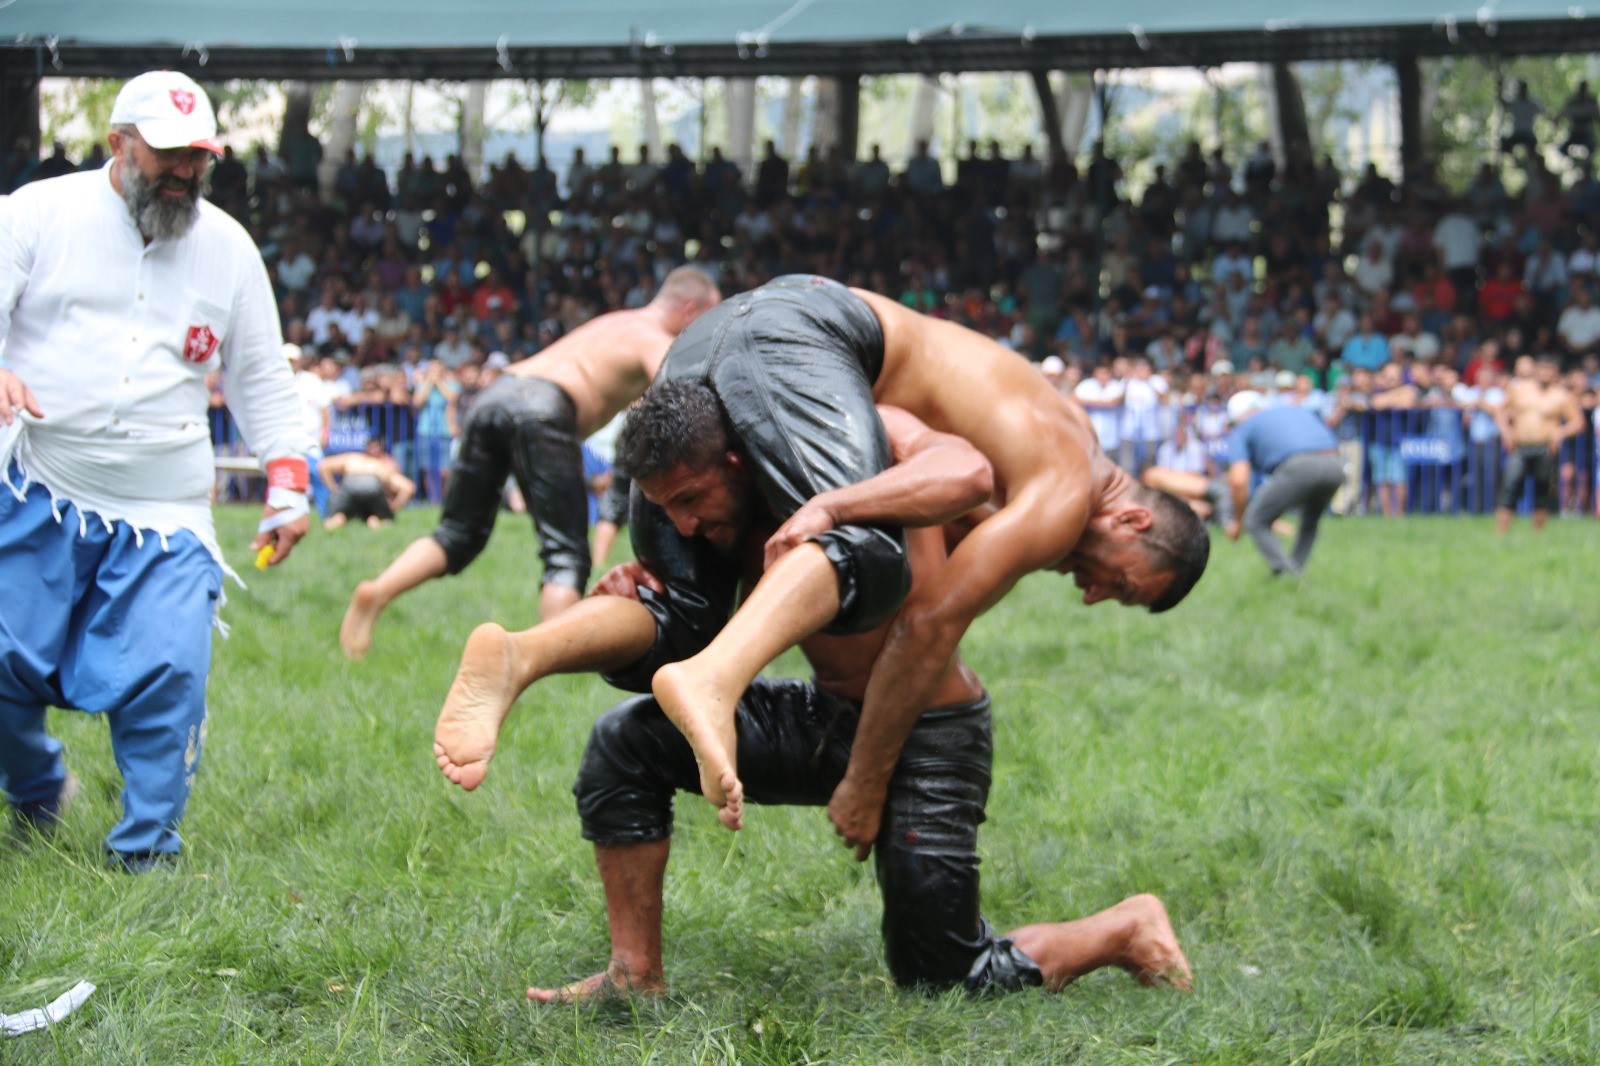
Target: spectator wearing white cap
x=121, y=290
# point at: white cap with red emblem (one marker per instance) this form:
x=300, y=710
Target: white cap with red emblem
x=170, y=111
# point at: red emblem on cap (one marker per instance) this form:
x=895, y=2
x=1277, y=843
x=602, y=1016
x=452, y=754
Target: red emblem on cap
x=199, y=345
x=183, y=100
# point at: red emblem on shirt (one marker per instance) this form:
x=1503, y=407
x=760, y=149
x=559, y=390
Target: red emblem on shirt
x=183, y=100
x=199, y=345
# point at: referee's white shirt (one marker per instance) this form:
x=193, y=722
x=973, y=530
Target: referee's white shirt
x=115, y=338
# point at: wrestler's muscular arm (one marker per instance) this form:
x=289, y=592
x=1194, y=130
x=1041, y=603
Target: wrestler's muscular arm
x=1024, y=535
x=400, y=489
x=1505, y=415
x=1572, y=421
x=1041, y=451
x=936, y=478
x=330, y=470
x=1239, y=489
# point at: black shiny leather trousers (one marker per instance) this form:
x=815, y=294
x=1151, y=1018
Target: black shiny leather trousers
x=794, y=744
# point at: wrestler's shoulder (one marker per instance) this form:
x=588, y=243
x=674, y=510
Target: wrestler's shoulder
x=633, y=321
x=628, y=329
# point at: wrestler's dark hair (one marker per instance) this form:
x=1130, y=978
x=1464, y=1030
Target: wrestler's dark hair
x=1176, y=541
x=673, y=423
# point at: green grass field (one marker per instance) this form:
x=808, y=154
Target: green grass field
x=1369, y=801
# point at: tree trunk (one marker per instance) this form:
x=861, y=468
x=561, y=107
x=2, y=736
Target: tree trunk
x=408, y=126
x=848, y=139
x=296, y=111
x=1413, y=131
x=341, y=132
x=793, y=110
x=652, y=119
x=471, y=132
x=922, y=110
x=825, y=117
x=1049, y=111
x=1073, y=103
x=1291, y=126
x=741, y=122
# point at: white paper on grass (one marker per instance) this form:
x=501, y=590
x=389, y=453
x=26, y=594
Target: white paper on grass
x=38, y=1018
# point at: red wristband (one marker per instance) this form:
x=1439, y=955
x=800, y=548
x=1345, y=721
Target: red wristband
x=291, y=473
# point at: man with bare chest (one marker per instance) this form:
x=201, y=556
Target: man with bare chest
x=366, y=486
x=794, y=737
x=797, y=366
x=531, y=424
x=1538, y=414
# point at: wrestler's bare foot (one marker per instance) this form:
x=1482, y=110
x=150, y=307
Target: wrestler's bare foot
x=334, y=522
x=355, y=632
x=614, y=981
x=486, y=686
x=1153, y=956
x=704, y=714
x=1135, y=935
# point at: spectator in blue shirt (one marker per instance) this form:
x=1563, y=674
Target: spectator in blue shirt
x=1298, y=455
x=1366, y=349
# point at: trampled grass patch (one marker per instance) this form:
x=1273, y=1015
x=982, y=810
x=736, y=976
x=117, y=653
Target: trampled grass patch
x=1368, y=799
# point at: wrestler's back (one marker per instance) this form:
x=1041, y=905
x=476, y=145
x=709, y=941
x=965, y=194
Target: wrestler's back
x=960, y=382
x=603, y=365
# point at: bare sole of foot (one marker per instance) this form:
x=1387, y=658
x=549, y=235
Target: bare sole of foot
x=1153, y=954
x=355, y=632
x=705, y=718
x=476, y=707
x=599, y=987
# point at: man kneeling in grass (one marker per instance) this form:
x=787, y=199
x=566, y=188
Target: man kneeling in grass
x=794, y=738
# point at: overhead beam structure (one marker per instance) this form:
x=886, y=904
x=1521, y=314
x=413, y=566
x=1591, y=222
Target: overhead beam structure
x=467, y=40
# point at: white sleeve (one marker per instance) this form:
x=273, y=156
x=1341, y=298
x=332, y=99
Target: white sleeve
x=255, y=375
x=19, y=231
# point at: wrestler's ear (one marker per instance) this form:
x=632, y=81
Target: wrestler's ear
x=736, y=464
x=1138, y=519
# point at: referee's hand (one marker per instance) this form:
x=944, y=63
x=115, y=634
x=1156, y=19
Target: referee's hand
x=16, y=397
x=283, y=538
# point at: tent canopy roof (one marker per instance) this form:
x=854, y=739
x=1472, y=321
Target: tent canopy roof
x=320, y=39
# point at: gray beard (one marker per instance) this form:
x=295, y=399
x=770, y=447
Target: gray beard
x=159, y=217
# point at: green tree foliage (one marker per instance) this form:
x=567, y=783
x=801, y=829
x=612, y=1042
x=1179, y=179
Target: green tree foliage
x=1324, y=88
x=78, y=115
x=1465, y=123
x=376, y=116
x=234, y=100
x=1231, y=114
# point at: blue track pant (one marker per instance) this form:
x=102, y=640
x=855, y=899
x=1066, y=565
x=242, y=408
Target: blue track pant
x=101, y=623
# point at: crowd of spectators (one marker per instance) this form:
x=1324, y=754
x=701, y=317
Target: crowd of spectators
x=408, y=292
